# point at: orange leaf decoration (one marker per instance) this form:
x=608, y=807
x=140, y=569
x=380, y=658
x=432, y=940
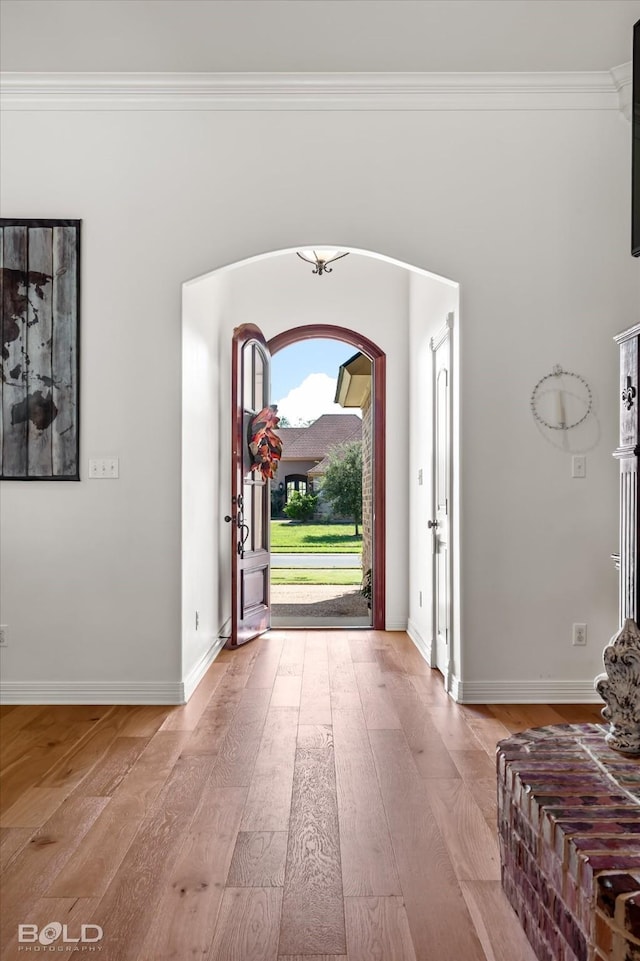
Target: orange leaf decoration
x=264, y=443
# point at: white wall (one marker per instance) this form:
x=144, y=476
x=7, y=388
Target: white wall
x=528, y=210
x=306, y=35
x=430, y=301
x=204, y=311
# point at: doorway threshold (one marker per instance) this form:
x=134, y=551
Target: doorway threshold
x=309, y=622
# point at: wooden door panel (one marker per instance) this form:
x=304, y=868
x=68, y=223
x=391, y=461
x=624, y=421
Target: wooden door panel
x=250, y=514
x=254, y=588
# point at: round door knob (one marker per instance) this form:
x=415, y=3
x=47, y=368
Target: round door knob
x=431, y=524
x=228, y=518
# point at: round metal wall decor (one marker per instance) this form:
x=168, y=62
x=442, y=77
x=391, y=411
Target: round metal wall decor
x=561, y=400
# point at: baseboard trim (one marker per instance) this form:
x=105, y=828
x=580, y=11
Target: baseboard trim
x=524, y=692
x=455, y=688
x=96, y=692
x=423, y=646
x=198, y=671
x=110, y=692
x=395, y=624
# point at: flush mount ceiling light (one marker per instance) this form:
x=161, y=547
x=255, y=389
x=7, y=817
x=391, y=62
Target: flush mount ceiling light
x=321, y=259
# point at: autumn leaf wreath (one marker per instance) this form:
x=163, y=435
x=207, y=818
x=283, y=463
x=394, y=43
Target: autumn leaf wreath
x=264, y=443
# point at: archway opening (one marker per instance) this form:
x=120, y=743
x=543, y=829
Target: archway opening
x=400, y=309
x=372, y=434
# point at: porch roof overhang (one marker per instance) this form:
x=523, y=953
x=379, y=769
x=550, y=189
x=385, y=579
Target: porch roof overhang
x=354, y=381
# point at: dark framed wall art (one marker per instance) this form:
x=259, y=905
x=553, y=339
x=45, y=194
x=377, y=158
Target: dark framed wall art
x=40, y=272
x=635, y=145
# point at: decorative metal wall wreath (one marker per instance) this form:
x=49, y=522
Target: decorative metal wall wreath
x=265, y=446
x=551, y=384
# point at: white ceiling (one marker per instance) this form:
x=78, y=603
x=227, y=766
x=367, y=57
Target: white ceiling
x=315, y=35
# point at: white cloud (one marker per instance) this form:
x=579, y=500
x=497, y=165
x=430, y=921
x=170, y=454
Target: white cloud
x=313, y=397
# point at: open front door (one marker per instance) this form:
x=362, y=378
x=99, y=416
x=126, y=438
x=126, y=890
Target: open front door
x=250, y=495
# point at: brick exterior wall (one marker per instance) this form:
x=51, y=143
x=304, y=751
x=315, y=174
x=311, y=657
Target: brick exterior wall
x=367, y=485
x=569, y=830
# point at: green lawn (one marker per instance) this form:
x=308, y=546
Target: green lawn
x=288, y=538
x=349, y=576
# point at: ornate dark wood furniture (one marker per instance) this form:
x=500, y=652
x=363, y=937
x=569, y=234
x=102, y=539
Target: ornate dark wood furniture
x=627, y=455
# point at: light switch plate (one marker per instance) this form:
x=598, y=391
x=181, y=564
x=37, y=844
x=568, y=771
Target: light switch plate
x=104, y=468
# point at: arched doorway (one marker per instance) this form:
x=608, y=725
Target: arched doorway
x=378, y=363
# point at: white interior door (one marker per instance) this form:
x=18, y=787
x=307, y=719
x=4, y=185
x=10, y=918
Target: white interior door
x=440, y=518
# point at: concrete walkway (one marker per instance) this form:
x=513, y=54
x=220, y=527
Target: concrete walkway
x=306, y=561
x=294, y=603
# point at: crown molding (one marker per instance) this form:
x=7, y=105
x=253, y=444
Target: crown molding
x=622, y=77
x=597, y=90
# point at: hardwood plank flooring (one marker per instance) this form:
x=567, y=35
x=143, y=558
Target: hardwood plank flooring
x=379, y=712
x=150, y=860
x=315, y=698
x=235, y=763
x=458, y=816
x=287, y=690
x=39, y=862
x=91, y=868
x=312, y=957
x=12, y=840
x=312, y=907
x=37, y=752
x=501, y=942
x=33, y=808
x=430, y=756
x=247, y=929
x=190, y=894
x=378, y=928
x=319, y=799
x=269, y=800
x=258, y=860
x=368, y=861
x=216, y=719
x=425, y=868
x=186, y=718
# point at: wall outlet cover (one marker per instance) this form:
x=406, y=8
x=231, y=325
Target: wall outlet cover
x=579, y=635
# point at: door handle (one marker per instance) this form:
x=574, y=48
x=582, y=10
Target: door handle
x=432, y=524
x=244, y=534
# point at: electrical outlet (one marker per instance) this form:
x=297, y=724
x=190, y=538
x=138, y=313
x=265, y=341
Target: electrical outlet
x=420, y=477
x=3, y=635
x=420, y=598
x=579, y=635
x=197, y=620
x=578, y=465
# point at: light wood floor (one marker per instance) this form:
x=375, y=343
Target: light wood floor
x=318, y=798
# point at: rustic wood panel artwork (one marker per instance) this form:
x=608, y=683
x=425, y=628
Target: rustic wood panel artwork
x=39, y=430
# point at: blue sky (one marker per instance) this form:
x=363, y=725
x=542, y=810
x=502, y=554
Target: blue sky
x=304, y=376
x=290, y=366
